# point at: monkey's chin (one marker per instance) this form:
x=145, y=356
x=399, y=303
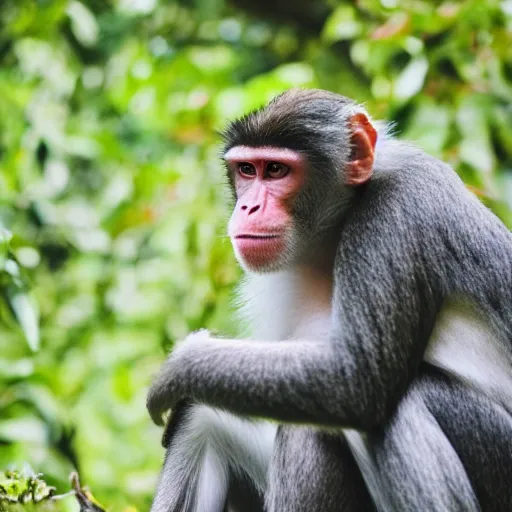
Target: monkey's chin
x=260, y=255
x=265, y=267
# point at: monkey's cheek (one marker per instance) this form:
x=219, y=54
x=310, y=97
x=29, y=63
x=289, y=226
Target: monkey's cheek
x=260, y=254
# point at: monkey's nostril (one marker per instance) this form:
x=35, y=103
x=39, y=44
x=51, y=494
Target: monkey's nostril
x=254, y=209
x=244, y=207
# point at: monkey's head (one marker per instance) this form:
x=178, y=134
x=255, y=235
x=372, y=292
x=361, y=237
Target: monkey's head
x=292, y=166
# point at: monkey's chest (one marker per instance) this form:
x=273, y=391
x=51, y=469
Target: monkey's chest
x=311, y=325
x=288, y=305
x=310, y=311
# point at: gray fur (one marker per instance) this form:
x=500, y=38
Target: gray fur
x=207, y=451
x=315, y=471
x=409, y=245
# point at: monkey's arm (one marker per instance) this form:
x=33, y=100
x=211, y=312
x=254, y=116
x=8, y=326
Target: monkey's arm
x=386, y=298
x=342, y=382
x=210, y=370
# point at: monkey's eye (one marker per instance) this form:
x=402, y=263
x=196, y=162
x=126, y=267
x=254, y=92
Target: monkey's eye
x=276, y=170
x=246, y=169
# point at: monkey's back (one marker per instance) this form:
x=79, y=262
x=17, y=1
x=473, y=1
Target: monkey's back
x=464, y=253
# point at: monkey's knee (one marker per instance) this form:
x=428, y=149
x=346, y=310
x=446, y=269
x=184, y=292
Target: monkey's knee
x=195, y=475
x=480, y=431
x=194, y=421
x=418, y=467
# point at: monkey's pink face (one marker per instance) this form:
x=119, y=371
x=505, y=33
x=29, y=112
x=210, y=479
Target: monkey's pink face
x=266, y=179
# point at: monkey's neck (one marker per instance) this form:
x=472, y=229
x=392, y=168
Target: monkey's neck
x=314, y=289
x=319, y=259
x=291, y=304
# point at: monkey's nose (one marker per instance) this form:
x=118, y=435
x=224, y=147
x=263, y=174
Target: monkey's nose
x=252, y=210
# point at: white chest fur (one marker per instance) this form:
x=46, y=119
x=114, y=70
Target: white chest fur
x=464, y=344
x=297, y=305
x=287, y=305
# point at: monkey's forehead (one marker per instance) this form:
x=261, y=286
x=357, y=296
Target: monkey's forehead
x=240, y=153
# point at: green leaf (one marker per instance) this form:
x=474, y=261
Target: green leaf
x=83, y=23
x=5, y=236
x=27, y=430
x=23, y=487
x=26, y=314
x=476, y=148
x=342, y=24
x=429, y=126
x=410, y=81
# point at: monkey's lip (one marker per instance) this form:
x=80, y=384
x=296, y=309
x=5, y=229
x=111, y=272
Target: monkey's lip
x=258, y=236
x=258, y=250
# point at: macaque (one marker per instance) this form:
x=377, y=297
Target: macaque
x=378, y=373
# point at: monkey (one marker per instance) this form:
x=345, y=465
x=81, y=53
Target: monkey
x=378, y=370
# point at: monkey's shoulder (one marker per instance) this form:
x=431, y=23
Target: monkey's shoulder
x=421, y=189
x=405, y=172
x=425, y=210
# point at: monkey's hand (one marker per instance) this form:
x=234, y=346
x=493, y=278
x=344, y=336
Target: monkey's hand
x=168, y=387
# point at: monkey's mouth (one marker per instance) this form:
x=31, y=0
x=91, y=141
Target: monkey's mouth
x=259, y=250
x=257, y=237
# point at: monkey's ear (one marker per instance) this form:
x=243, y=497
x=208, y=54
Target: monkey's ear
x=363, y=139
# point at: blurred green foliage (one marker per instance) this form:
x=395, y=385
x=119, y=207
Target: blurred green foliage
x=112, y=208
x=24, y=490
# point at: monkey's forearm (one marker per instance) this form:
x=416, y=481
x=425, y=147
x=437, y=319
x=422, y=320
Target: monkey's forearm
x=295, y=381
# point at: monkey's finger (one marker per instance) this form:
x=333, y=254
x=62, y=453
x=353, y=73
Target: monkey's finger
x=157, y=416
x=158, y=419
x=154, y=405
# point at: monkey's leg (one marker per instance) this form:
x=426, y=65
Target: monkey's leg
x=243, y=496
x=177, y=486
x=211, y=452
x=416, y=464
x=480, y=430
x=314, y=471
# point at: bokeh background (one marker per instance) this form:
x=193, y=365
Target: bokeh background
x=112, y=199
